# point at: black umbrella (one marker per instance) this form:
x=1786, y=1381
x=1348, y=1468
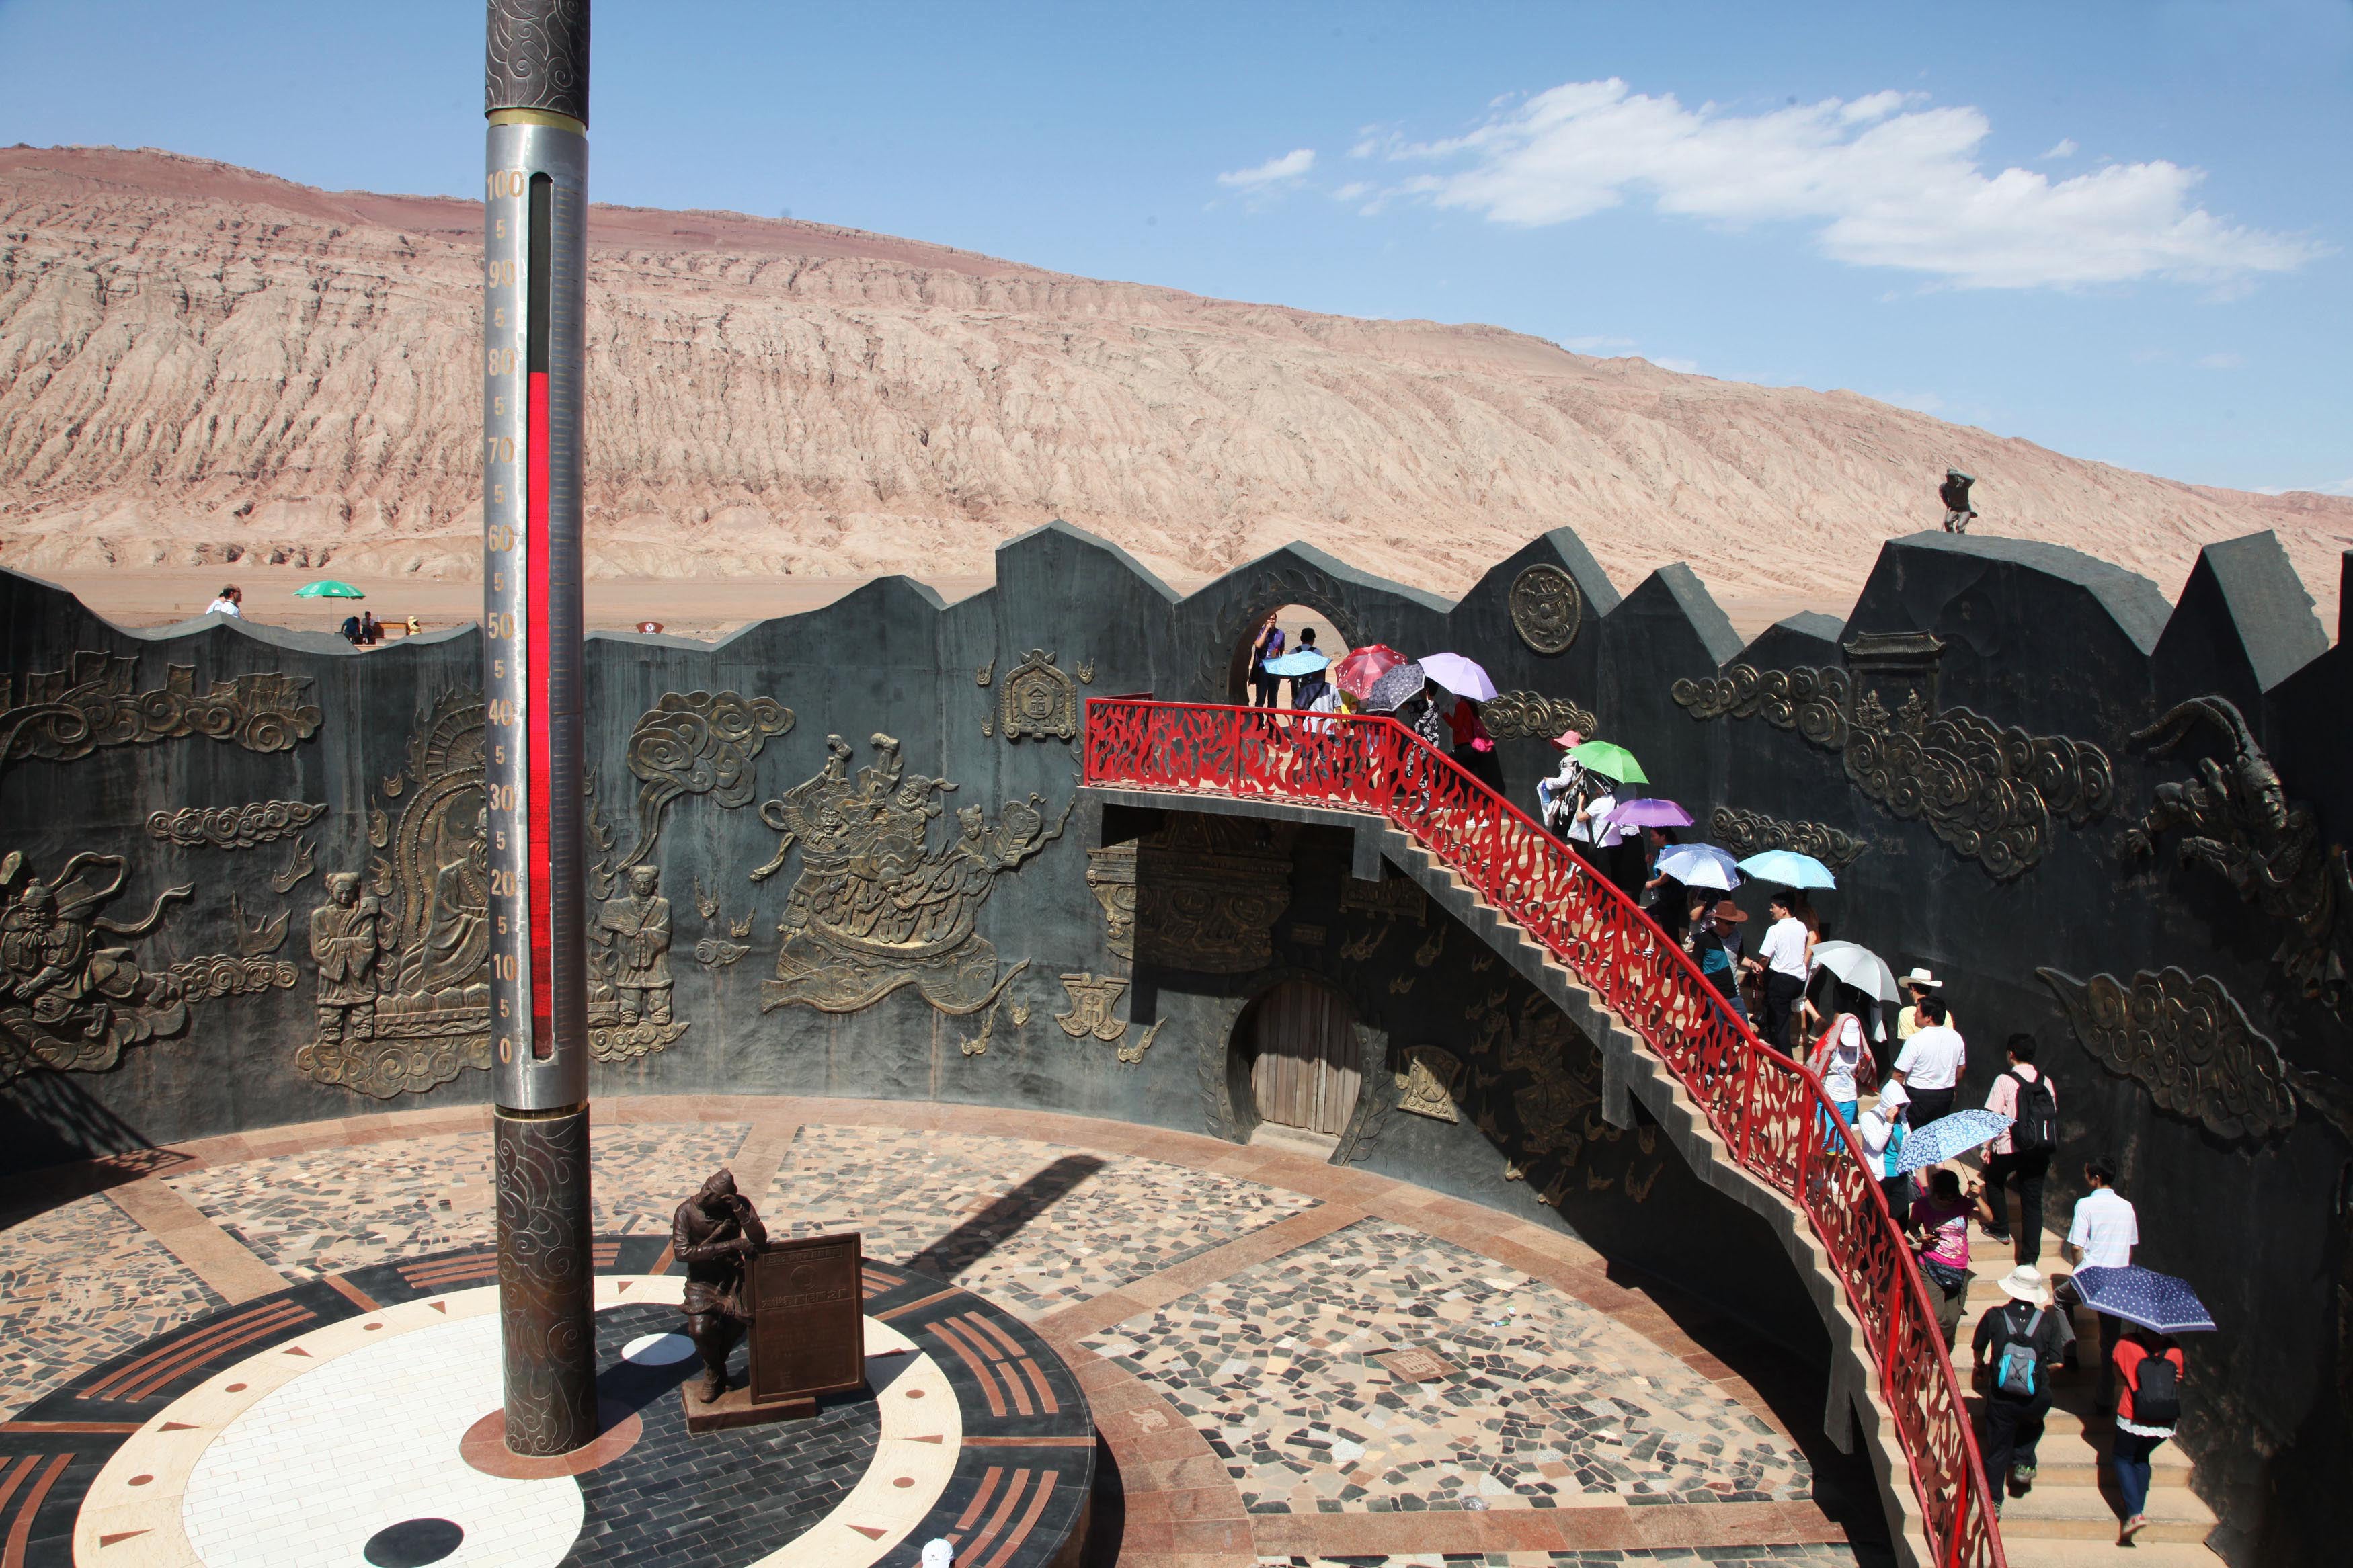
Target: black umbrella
x=1395, y=689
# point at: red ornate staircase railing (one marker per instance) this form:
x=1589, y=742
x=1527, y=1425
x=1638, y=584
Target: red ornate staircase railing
x=1769, y=1110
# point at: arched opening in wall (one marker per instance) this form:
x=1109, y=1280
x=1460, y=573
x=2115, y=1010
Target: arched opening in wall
x=1306, y=1068
x=1245, y=685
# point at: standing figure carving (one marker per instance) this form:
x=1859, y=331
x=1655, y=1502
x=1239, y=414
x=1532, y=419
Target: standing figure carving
x=348, y=935
x=2237, y=820
x=716, y=1234
x=635, y=930
x=66, y=1002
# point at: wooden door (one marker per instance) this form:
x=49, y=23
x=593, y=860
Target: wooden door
x=1307, y=1072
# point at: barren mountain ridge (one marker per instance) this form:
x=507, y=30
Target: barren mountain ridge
x=199, y=365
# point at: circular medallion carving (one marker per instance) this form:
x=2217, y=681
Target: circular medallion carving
x=1547, y=609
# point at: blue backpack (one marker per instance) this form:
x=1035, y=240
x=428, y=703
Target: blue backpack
x=2019, y=1370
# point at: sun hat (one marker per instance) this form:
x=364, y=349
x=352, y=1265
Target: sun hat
x=1922, y=977
x=2025, y=1283
x=938, y=1553
x=1567, y=740
x=1726, y=909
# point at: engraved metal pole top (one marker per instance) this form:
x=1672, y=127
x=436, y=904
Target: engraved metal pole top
x=535, y=252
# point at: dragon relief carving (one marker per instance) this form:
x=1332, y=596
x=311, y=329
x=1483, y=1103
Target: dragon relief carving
x=1747, y=832
x=2188, y=1042
x=67, y=1002
x=63, y=715
x=878, y=905
x=1990, y=793
x=2237, y=821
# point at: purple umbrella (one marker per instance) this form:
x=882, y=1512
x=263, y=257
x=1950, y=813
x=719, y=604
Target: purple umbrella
x=1648, y=811
x=1459, y=674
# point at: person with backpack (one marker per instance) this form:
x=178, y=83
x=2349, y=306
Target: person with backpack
x=2016, y=1346
x=2149, y=1370
x=2021, y=1154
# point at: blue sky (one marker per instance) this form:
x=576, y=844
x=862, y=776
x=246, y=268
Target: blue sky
x=2119, y=230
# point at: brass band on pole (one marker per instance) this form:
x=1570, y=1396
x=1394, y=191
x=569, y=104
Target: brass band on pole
x=535, y=283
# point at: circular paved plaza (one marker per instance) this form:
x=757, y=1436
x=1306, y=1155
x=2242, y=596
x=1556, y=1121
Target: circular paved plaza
x=1083, y=1338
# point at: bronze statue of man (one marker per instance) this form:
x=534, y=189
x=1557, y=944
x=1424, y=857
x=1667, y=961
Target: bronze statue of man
x=714, y=1234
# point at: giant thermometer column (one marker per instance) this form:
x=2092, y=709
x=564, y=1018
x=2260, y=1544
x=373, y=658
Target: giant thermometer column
x=534, y=254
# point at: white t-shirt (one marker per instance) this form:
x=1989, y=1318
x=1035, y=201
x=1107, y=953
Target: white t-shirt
x=1933, y=1059
x=224, y=607
x=1590, y=827
x=2105, y=1229
x=1842, y=1061
x=1784, y=947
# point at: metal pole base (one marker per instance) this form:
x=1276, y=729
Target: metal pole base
x=546, y=1281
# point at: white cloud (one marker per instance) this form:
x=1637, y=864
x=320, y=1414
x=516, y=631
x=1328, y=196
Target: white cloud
x=1273, y=171
x=2064, y=148
x=1596, y=345
x=1351, y=191
x=1887, y=186
x=2341, y=488
x=1679, y=366
x=2221, y=361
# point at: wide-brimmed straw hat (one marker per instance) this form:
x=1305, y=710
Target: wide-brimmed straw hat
x=1923, y=977
x=1726, y=909
x=1568, y=739
x=2025, y=1283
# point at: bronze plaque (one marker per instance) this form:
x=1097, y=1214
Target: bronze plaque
x=809, y=1320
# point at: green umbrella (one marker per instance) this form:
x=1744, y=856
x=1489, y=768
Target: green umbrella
x=328, y=588
x=1614, y=760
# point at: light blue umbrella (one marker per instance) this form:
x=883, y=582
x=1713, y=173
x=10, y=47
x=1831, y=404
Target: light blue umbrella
x=1701, y=866
x=1306, y=661
x=1949, y=1137
x=2144, y=1296
x=1788, y=868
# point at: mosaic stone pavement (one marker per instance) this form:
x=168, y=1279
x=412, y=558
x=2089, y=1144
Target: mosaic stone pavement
x=79, y=1284
x=1552, y=1400
x=1033, y=1226
x=327, y=1211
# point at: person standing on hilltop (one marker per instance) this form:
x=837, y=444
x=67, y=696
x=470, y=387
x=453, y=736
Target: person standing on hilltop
x=1955, y=493
x=1268, y=646
x=227, y=603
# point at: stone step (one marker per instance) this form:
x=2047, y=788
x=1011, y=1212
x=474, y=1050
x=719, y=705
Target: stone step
x=2085, y=1513
x=2051, y=1551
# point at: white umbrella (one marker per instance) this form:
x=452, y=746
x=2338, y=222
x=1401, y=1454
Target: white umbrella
x=1700, y=866
x=1858, y=966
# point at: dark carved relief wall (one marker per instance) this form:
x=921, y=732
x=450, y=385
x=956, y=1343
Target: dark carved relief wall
x=73, y=1001
x=1209, y=891
x=233, y=826
x=1990, y=793
x=878, y=905
x=2187, y=1041
x=1039, y=698
x=2237, y=821
x=1530, y=715
x=1747, y=832
x=69, y=713
x=696, y=742
x=427, y=912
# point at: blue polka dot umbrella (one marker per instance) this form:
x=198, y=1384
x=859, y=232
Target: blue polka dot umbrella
x=2144, y=1296
x=1948, y=1138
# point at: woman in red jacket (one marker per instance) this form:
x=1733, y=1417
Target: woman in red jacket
x=2149, y=1370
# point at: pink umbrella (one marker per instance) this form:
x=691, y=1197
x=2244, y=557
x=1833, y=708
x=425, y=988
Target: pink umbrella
x=1647, y=811
x=1360, y=667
